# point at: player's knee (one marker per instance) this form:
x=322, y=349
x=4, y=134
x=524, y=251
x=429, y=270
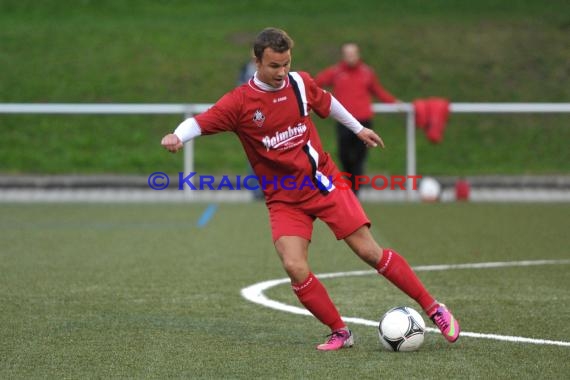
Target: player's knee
x=297, y=270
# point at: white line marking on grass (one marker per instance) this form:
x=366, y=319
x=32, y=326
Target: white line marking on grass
x=255, y=294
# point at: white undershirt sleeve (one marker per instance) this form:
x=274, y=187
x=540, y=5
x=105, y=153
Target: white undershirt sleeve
x=187, y=130
x=340, y=114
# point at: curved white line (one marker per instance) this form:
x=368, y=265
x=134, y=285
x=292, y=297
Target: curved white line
x=255, y=293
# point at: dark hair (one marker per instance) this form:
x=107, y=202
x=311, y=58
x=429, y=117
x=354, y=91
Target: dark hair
x=273, y=38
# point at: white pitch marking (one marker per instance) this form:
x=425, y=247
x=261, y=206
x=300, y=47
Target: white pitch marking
x=255, y=294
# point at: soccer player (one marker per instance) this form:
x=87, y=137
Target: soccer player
x=270, y=114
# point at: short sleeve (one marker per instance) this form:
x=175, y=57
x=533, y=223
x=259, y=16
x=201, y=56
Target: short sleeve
x=223, y=116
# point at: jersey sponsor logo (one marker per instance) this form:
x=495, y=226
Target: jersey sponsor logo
x=280, y=99
x=284, y=138
x=258, y=118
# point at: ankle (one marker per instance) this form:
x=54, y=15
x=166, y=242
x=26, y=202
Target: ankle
x=431, y=309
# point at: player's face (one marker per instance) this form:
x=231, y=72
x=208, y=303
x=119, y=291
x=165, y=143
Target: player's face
x=273, y=67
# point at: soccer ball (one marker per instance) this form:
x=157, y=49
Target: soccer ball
x=401, y=329
x=430, y=189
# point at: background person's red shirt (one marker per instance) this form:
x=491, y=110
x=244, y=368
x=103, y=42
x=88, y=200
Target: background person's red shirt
x=354, y=87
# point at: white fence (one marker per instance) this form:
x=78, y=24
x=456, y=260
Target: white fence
x=187, y=110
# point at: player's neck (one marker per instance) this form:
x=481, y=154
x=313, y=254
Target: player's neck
x=264, y=86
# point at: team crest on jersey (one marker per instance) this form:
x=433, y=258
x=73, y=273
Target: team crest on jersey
x=258, y=118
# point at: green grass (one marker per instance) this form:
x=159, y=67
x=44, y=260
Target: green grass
x=190, y=51
x=138, y=291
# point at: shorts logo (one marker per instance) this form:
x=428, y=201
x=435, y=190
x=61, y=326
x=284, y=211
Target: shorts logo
x=258, y=118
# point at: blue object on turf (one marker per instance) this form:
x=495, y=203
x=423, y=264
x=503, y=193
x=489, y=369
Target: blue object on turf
x=207, y=215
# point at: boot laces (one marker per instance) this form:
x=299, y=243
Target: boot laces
x=334, y=336
x=440, y=320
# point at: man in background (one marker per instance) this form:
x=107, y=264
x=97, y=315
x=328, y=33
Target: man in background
x=246, y=71
x=354, y=84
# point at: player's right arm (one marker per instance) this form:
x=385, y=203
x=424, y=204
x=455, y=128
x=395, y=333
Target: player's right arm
x=223, y=116
x=172, y=143
x=186, y=131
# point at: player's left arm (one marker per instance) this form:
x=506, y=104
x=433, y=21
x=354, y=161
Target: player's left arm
x=222, y=116
x=370, y=138
x=366, y=135
x=325, y=104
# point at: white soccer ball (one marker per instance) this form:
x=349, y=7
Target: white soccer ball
x=401, y=329
x=429, y=189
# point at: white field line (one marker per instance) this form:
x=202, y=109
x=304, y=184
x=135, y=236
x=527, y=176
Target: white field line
x=255, y=294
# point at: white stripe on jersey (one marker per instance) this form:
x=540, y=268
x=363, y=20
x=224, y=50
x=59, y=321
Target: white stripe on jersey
x=297, y=78
x=319, y=177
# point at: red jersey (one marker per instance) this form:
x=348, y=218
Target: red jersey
x=354, y=86
x=278, y=135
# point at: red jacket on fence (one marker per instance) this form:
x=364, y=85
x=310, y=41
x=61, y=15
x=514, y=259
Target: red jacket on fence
x=431, y=115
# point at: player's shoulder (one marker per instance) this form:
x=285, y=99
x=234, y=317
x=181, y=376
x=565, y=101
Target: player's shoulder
x=240, y=89
x=305, y=76
x=232, y=99
x=239, y=92
x=302, y=73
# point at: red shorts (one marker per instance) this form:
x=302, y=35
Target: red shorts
x=340, y=210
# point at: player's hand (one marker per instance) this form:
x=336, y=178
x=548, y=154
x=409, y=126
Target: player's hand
x=370, y=138
x=172, y=143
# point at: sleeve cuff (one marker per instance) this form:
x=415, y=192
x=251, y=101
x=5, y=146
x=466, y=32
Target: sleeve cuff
x=187, y=130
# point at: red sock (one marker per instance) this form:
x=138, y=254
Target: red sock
x=397, y=270
x=315, y=298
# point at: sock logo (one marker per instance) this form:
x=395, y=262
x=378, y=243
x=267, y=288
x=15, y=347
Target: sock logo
x=383, y=269
x=303, y=285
